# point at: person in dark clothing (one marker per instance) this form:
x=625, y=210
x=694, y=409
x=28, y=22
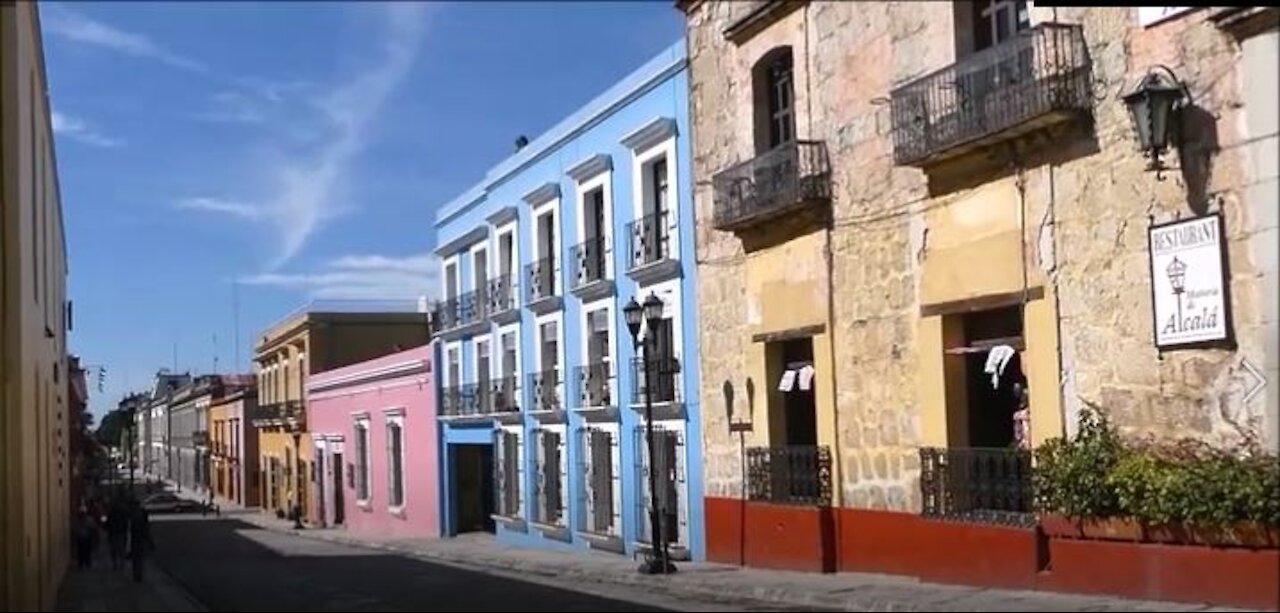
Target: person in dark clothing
x=140, y=543
x=117, y=531
x=86, y=537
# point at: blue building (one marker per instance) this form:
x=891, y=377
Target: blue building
x=542, y=387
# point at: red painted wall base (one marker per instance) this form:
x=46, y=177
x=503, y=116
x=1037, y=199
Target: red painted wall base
x=854, y=540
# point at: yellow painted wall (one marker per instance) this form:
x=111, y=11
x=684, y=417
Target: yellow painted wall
x=786, y=288
x=972, y=247
x=34, y=403
x=1040, y=361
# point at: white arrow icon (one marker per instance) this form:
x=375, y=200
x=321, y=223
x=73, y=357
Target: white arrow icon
x=1259, y=381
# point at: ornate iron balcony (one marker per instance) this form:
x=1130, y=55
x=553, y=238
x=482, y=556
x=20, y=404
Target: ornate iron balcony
x=590, y=263
x=649, y=240
x=502, y=397
x=286, y=413
x=1035, y=79
x=989, y=485
x=794, y=474
x=592, y=385
x=540, y=279
x=467, y=400
x=462, y=310
x=663, y=379
x=500, y=294
x=788, y=178
x=544, y=394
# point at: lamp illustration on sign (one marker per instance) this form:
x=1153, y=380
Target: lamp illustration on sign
x=1177, y=271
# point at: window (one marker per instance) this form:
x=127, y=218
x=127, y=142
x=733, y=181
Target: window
x=451, y=280
x=601, y=479
x=551, y=476
x=670, y=476
x=455, y=372
x=362, y=460
x=395, y=462
x=774, y=99
x=510, y=472
x=996, y=21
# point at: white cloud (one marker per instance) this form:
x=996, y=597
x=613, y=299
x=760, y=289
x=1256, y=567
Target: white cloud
x=233, y=107
x=304, y=200
x=77, y=129
x=305, y=184
x=66, y=23
x=214, y=205
x=360, y=277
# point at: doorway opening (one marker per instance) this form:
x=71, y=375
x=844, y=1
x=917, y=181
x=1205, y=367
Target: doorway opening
x=339, y=503
x=473, y=504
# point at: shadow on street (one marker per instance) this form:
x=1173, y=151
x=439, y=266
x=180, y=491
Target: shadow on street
x=229, y=565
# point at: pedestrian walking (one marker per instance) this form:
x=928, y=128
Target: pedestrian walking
x=117, y=531
x=140, y=543
x=86, y=536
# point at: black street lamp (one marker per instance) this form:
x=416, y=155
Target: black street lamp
x=659, y=560
x=1155, y=107
x=297, y=476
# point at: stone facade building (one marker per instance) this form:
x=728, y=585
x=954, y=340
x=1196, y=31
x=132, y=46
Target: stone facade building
x=887, y=192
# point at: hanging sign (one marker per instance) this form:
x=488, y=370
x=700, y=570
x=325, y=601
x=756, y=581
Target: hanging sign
x=1188, y=289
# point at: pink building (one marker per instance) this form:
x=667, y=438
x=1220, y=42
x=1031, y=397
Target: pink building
x=373, y=428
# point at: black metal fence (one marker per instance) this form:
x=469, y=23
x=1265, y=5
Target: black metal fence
x=1042, y=70
x=771, y=184
x=989, y=485
x=649, y=240
x=593, y=384
x=503, y=396
x=663, y=380
x=540, y=279
x=792, y=474
x=589, y=261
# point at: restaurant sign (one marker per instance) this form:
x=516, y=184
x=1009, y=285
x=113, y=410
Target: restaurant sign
x=1188, y=287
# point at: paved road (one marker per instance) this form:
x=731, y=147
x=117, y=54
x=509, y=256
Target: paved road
x=229, y=565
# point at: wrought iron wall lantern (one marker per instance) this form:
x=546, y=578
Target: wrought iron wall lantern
x=1155, y=107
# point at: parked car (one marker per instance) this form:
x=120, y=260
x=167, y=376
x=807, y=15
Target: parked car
x=165, y=502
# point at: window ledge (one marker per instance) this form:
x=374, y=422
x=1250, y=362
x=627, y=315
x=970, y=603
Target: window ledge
x=515, y=524
x=364, y=505
x=397, y=511
x=553, y=531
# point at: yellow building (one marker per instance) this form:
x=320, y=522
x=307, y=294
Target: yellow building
x=304, y=343
x=34, y=513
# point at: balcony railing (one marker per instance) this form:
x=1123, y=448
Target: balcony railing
x=649, y=240
x=501, y=294
x=1035, y=78
x=990, y=485
x=540, y=279
x=590, y=263
x=663, y=380
x=794, y=474
x=462, y=310
x=783, y=180
x=503, y=396
x=286, y=413
x=467, y=400
x=544, y=393
x=593, y=385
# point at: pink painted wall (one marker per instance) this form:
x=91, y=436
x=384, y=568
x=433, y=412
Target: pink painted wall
x=404, y=380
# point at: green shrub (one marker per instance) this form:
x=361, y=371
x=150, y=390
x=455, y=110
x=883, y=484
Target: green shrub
x=1070, y=476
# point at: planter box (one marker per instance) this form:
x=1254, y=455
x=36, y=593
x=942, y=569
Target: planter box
x=1113, y=529
x=1240, y=534
x=1061, y=526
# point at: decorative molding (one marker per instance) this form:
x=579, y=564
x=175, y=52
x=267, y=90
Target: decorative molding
x=756, y=19
x=504, y=215
x=542, y=193
x=475, y=235
x=981, y=303
x=785, y=335
x=398, y=369
x=657, y=130
x=394, y=412
x=590, y=167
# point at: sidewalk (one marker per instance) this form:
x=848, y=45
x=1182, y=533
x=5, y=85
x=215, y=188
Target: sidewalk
x=100, y=588
x=846, y=591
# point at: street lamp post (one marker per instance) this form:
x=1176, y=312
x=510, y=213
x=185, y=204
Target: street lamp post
x=297, y=477
x=659, y=561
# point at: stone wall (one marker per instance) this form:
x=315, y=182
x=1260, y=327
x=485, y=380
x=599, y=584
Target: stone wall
x=1086, y=207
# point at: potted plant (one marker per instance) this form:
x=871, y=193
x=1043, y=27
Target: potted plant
x=1069, y=477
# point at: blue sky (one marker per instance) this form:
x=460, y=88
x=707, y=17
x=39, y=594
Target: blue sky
x=293, y=150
